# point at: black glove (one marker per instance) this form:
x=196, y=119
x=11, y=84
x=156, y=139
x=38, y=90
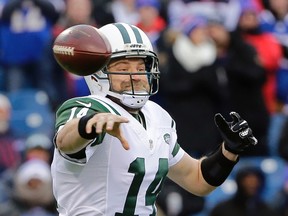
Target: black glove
x=236, y=134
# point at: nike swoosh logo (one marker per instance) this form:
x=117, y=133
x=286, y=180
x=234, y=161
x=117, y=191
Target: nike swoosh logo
x=84, y=104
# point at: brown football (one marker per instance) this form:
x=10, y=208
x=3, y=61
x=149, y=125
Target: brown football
x=82, y=50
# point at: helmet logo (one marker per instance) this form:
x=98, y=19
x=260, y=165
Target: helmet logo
x=135, y=46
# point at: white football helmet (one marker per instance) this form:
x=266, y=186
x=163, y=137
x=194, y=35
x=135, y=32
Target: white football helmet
x=127, y=41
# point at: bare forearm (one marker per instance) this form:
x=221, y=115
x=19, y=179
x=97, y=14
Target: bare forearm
x=187, y=173
x=202, y=178
x=68, y=139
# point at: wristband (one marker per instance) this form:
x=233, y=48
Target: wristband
x=82, y=128
x=216, y=168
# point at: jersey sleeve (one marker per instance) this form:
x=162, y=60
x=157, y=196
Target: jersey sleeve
x=77, y=108
x=176, y=152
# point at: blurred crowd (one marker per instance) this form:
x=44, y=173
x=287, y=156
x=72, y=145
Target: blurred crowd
x=215, y=56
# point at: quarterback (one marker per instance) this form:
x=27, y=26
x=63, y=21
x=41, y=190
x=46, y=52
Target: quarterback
x=115, y=147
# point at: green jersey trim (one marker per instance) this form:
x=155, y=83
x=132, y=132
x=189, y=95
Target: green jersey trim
x=81, y=106
x=176, y=149
x=114, y=110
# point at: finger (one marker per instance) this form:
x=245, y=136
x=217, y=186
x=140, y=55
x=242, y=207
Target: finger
x=125, y=144
x=123, y=141
x=221, y=122
x=115, y=122
x=110, y=125
x=240, y=126
x=253, y=140
x=99, y=125
x=235, y=117
x=245, y=133
x=121, y=119
x=89, y=126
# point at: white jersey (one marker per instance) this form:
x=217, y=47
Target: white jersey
x=114, y=181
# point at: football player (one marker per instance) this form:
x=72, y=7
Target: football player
x=115, y=147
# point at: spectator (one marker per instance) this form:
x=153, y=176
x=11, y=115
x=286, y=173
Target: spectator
x=28, y=187
x=247, y=200
x=150, y=20
x=25, y=38
x=102, y=12
x=228, y=10
x=2, y=74
x=9, y=156
x=246, y=78
x=31, y=191
x=243, y=59
x=39, y=146
x=280, y=202
x=274, y=20
x=75, y=13
x=125, y=11
x=249, y=27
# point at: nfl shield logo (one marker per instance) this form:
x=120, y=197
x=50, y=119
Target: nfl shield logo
x=166, y=138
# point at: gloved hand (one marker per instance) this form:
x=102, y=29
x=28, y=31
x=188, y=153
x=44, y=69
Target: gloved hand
x=236, y=134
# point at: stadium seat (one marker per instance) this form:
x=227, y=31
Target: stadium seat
x=32, y=99
x=25, y=122
x=31, y=113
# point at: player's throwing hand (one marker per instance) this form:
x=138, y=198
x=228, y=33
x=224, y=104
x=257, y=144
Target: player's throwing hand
x=110, y=123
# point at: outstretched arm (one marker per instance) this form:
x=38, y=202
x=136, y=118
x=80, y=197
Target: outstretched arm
x=202, y=176
x=78, y=132
x=188, y=173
